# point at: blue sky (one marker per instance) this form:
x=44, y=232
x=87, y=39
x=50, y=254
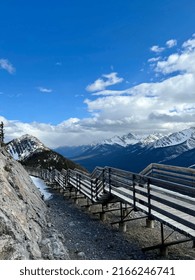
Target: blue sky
x=73, y=72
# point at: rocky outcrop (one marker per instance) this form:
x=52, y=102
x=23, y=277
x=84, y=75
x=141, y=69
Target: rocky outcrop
x=24, y=230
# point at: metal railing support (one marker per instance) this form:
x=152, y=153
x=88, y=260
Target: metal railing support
x=134, y=192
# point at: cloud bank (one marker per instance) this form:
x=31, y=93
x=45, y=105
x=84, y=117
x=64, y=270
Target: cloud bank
x=162, y=106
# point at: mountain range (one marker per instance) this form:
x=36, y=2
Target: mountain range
x=132, y=152
x=129, y=152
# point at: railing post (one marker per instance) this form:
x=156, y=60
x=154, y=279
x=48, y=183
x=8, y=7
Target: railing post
x=149, y=220
x=92, y=188
x=99, y=184
x=123, y=213
x=64, y=181
x=149, y=197
x=163, y=248
x=109, y=179
x=77, y=181
x=68, y=177
x=103, y=179
x=96, y=188
x=59, y=178
x=134, y=198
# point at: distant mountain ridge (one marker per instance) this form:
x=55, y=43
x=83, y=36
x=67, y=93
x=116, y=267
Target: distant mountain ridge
x=156, y=139
x=30, y=151
x=134, y=153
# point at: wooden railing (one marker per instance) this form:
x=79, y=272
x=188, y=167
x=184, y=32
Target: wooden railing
x=181, y=176
x=163, y=193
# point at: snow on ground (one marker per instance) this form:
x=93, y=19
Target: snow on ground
x=44, y=189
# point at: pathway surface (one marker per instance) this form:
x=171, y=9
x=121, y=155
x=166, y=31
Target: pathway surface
x=86, y=237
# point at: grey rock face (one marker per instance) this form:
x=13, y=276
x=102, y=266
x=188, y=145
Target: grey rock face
x=52, y=247
x=23, y=214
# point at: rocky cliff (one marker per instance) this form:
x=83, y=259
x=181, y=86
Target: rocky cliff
x=24, y=230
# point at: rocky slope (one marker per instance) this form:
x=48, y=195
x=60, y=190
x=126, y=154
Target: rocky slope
x=24, y=231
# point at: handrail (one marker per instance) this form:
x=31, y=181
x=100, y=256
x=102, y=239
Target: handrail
x=164, y=176
x=176, y=174
x=162, y=192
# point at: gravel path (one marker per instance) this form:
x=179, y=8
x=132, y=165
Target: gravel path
x=86, y=237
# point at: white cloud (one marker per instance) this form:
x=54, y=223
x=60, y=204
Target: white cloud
x=189, y=44
x=157, y=49
x=6, y=65
x=154, y=59
x=44, y=90
x=163, y=106
x=177, y=62
x=171, y=43
x=102, y=83
x=111, y=92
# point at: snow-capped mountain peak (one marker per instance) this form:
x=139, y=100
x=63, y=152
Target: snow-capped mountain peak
x=176, y=138
x=21, y=148
x=112, y=141
x=130, y=139
x=151, y=139
x=125, y=140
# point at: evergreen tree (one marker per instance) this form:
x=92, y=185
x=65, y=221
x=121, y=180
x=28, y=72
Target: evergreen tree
x=1, y=134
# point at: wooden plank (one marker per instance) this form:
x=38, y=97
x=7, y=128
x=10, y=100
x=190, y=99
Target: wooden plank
x=178, y=169
x=175, y=179
x=173, y=186
x=188, y=176
x=174, y=204
x=175, y=217
x=174, y=224
x=173, y=194
x=120, y=172
x=120, y=191
x=167, y=195
x=128, y=198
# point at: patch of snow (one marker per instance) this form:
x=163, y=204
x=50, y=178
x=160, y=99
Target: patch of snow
x=13, y=153
x=44, y=189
